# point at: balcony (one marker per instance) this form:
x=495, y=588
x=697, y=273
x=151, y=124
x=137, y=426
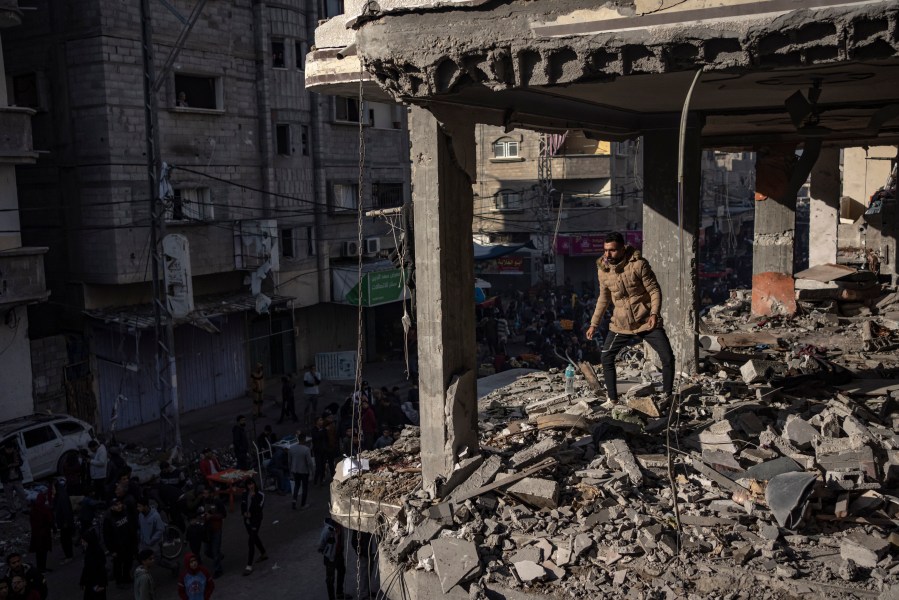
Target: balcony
x=16, y=147
x=22, y=278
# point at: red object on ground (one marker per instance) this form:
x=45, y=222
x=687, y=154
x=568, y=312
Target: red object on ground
x=773, y=294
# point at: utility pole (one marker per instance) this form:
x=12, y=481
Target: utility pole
x=169, y=413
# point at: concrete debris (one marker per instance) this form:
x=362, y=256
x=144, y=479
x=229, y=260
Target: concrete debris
x=784, y=454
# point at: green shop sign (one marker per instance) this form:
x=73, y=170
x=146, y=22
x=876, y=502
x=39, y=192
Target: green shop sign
x=379, y=287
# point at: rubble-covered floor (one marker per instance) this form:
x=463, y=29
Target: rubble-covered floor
x=784, y=460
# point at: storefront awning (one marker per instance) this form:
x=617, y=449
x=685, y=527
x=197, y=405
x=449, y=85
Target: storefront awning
x=482, y=252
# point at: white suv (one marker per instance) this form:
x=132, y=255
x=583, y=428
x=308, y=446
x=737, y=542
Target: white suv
x=45, y=441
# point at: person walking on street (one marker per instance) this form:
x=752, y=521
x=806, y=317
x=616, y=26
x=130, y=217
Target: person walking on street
x=301, y=466
x=63, y=517
x=320, y=450
x=627, y=281
x=144, y=585
x=311, y=380
x=93, y=574
x=41, y=519
x=120, y=535
x=241, y=444
x=257, y=388
x=99, y=465
x=195, y=582
x=214, y=514
x=331, y=544
x=288, y=405
x=251, y=506
x=11, y=477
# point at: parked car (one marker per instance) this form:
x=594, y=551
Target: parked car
x=45, y=441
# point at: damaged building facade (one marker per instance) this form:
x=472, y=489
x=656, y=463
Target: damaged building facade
x=264, y=185
x=792, y=84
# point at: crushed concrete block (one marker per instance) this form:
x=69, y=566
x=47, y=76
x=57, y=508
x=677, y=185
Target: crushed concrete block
x=653, y=461
x=441, y=513
x=757, y=371
x=640, y=390
x=535, y=453
x=528, y=553
x=848, y=480
x=758, y=455
x=850, y=460
x=643, y=404
x=461, y=473
x=582, y=543
x=722, y=462
x=562, y=556
x=542, y=493
x=554, y=570
x=863, y=549
x=455, y=561
x=426, y=531
x=834, y=445
x=529, y=571
x=799, y=432
x=618, y=451
x=718, y=437
x=769, y=532
x=750, y=423
x=482, y=476
x=619, y=577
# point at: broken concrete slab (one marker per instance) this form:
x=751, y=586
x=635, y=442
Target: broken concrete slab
x=532, y=454
x=643, y=404
x=529, y=571
x=426, y=531
x=541, y=493
x=483, y=475
x=767, y=470
x=461, y=473
x=850, y=460
x=582, y=543
x=455, y=561
x=799, y=432
x=863, y=549
x=618, y=451
x=758, y=371
x=718, y=437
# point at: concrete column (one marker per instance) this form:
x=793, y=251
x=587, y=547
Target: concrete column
x=824, y=209
x=442, y=201
x=662, y=240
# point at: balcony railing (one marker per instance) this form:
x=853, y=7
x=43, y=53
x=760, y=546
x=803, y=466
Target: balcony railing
x=22, y=279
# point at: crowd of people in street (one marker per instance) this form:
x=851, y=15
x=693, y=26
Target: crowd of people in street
x=127, y=529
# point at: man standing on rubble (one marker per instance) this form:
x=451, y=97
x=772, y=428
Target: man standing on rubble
x=627, y=282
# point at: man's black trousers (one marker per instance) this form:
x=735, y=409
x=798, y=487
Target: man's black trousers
x=615, y=342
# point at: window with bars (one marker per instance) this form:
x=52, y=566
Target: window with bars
x=387, y=195
x=507, y=200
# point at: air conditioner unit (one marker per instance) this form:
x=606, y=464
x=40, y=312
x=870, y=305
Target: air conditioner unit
x=372, y=245
x=350, y=248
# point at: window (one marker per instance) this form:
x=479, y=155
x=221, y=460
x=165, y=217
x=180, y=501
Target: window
x=190, y=204
x=69, y=427
x=282, y=140
x=287, y=244
x=304, y=139
x=344, y=197
x=278, y=53
x=505, y=148
x=331, y=8
x=298, y=242
x=383, y=116
x=299, y=55
x=196, y=91
x=507, y=200
x=346, y=109
x=38, y=435
x=387, y=195
x=25, y=91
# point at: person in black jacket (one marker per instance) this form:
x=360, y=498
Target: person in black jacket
x=251, y=506
x=120, y=534
x=17, y=567
x=93, y=574
x=241, y=444
x=63, y=517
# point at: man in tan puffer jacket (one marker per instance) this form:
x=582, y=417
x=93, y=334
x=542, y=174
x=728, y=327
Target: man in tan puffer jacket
x=627, y=282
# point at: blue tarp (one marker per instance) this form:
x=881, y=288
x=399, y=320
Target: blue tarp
x=497, y=250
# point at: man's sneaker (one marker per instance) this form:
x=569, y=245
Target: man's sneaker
x=247, y=570
x=609, y=404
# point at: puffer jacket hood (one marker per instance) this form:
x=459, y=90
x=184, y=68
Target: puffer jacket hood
x=631, y=287
x=187, y=557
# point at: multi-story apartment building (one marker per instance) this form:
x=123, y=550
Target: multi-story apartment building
x=22, y=280
x=264, y=186
x=586, y=199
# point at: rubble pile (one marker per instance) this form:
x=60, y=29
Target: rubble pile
x=774, y=476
